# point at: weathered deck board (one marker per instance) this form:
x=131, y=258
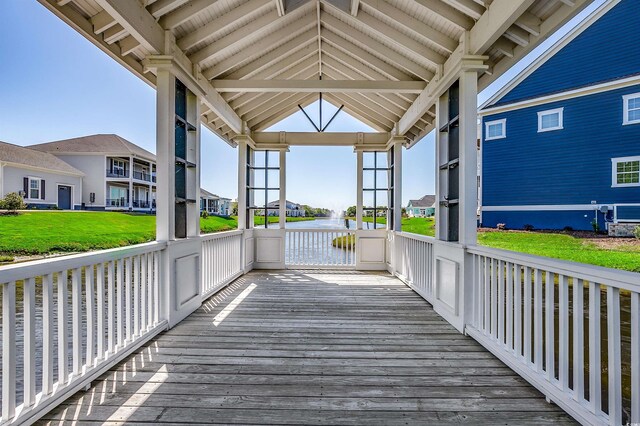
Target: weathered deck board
x=315, y=347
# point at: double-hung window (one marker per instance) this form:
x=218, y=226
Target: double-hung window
x=626, y=171
x=34, y=188
x=550, y=120
x=496, y=129
x=631, y=109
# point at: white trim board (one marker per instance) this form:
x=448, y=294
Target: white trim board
x=542, y=59
x=569, y=94
x=545, y=207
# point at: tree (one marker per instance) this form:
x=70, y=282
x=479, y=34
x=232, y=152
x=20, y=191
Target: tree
x=351, y=211
x=12, y=202
x=234, y=208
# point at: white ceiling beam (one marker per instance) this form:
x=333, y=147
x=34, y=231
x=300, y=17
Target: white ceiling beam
x=184, y=13
x=382, y=123
x=281, y=115
x=409, y=22
x=162, y=7
x=468, y=7
x=278, y=67
x=347, y=32
x=300, y=86
x=286, y=104
x=115, y=33
x=356, y=114
x=128, y=45
x=381, y=30
x=500, y=15
x=280, y=7
x=517, y=35
x=320, y=139
x=137, y=21
x=454, y=16
x=505, y=47
x=354, y=7
x=530, y=23
x=223, y=23
x=102, y=21
x=263, y=53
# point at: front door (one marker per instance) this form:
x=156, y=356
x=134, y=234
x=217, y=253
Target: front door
x=64, y=197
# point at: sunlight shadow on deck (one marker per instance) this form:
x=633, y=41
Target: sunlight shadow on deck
x=233, y=305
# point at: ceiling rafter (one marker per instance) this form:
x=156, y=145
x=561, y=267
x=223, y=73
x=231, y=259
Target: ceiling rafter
x=281, y=115
x=258, y=121
x=185, y=12
x=299, y=86
x=447, y=12
x=380, y=123
x=162, y=7
x=356, y=114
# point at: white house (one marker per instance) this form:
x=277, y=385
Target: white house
x=293, y=209
x=118, y=174
x=44, y=180
x=214, y=204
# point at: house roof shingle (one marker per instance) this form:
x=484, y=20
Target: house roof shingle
x=100, y=143
x=426, y=201
x=16, y=154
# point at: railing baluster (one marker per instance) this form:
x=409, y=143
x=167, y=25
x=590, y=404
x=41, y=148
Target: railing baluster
x=47, y=334
x=100, y=309
x=487, y=295
x=136, y=295
x=517, y=314
x=111, y=325
x=8, y=350
x=509, y=313
x=595, y=371
x=89, y=302
x=635, y=358
x=494, y=299
x=143, y=293
x=501, y=302
x=614, y=355
x=537, y=320
x=127, y=298
x=550, y=308
x=119, y=304
x=527, y=314
x=76, y=317
x=29, y=311
x=63, y=304
x=563, y=329
x=578, y=340
x=150, y=296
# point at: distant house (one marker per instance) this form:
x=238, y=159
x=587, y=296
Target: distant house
x=42, y=179
x=561, y=142
x=293, y=209
x=214, y=204
x=423, y=207
x=118, y=174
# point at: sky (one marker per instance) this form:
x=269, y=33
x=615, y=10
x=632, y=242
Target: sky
x=57, y=85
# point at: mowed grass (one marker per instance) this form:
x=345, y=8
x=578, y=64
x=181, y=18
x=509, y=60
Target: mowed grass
x=36, y=233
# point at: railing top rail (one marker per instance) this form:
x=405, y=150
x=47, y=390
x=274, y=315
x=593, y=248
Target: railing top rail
x=40, y=267
x=299, y=230
x=418, y=237
x=613, y=277
x=218, y=235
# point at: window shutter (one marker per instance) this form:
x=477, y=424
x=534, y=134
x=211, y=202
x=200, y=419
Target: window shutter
x=42, y=189
x=25, y=186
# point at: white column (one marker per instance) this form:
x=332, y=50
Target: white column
x=468, y=157
x=283, y=189
x=165, y=152
x=193, y=209
x=359, y=181
x=397, y=184
x=242, y=184
x=442, y=117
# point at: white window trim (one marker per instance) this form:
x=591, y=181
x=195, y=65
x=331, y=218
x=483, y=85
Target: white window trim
x=614, y=171
x=560, y=126
x=625, y=108
x=502, y=121
x=28, y=196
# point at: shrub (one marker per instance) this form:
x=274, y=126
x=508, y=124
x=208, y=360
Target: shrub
x=567, y=229
x=636, y=232
x=501, y=226
x=595, y=225
x=204, y=214
x=12, y=202
x=528, y=227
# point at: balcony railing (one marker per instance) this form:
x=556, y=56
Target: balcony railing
x=117, y=202
x=117, y=173
x=140, y=204
x=320, y=248
x=221, y=260
x=143, y=176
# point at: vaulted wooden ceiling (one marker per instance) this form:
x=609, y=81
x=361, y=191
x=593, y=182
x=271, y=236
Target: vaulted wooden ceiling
x=260, y=59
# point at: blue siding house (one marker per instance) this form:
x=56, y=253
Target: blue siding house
x=561, y=142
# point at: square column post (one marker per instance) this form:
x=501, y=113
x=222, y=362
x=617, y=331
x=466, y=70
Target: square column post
x=165, y=153
x=242, y=184
x=283, y=190
x=468, y=158
x=130, y=201
x=397, y=183
x=359, y=183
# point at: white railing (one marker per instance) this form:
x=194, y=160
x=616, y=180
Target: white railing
x=320, y=248
x=414, y=262
x=571, y=330
x=221, y=260
x=65, y=321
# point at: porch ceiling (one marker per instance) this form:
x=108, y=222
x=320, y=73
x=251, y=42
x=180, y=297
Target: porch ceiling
x=256, y=60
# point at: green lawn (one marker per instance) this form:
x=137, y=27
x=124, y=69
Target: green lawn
x=34, y=233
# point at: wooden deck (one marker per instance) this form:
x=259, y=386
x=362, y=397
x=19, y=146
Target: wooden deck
x=315, y=347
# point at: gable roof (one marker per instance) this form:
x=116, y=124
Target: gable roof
x=549, y=53
x=205, y=193
x=101, y=143
x=16, y=154
x=426, y=201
